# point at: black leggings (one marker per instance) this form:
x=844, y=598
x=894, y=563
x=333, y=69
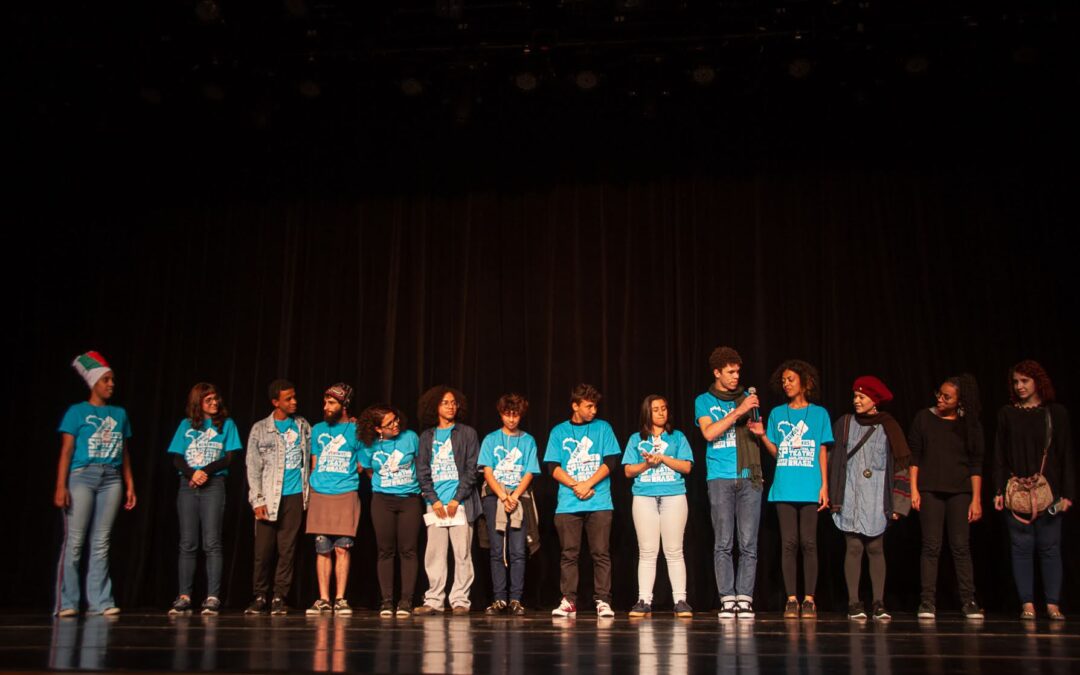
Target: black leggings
x=875, y=551
x=798, y=529
x=397, y=521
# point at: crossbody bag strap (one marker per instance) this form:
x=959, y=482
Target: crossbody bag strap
x=862, y=442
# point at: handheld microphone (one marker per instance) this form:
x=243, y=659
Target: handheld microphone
x=755, y=412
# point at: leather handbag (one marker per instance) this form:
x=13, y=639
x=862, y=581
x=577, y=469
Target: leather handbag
x=1031, y=494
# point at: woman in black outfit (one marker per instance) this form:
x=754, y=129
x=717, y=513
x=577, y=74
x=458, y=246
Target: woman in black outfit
x=1023, y=429
x=946, y=484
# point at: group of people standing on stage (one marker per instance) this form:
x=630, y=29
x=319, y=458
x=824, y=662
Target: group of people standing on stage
x=861, y=468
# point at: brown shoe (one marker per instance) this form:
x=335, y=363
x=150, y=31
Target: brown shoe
x=460, y=610
x=423, y=610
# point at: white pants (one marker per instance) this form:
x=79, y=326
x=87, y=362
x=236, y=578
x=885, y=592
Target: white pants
x=660, y=519
x=439, y=539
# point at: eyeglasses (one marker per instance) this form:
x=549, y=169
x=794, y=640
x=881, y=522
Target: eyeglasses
x=392, y=423
x=449, y=404
x=943, y=396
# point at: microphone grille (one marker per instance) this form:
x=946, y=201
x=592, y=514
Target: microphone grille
x=751, y=390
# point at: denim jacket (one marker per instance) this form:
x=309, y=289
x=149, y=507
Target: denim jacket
x=266, y=463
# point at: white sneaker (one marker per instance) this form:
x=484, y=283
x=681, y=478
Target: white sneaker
x=728, y=609
x=603, y=610
x=745, y=608
x=565, y=608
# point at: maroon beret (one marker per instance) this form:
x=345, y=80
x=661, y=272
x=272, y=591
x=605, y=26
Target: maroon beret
x=872, y=387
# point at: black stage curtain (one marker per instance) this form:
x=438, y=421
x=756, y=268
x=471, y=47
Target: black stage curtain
x=912, y=273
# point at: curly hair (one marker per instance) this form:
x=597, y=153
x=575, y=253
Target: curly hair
x=372, y=417
x=194, y=406
x=427, y=407
x=969, y=407
x=585, y=392
x=1033, y=369
x=512, y=402
x=808, y=378
x=724, y=356
x=646, y=415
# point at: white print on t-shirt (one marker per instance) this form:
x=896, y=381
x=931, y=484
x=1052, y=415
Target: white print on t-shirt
x=581, y=465
x=442, y=464
x=726, y=439
x=202, y=449
x=294, y=454
x=658, y=474
x=794, y=450
x=105, y=442
x=332, y=459
x=508, y=466
x=392, y=473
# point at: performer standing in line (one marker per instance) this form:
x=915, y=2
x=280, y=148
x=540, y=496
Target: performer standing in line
x=508, y=459
x=334, y=508
x=202, y=450
x=1029, y=428
x=446, y=465
x=870, y=449
x=93, y=477
x=277, y=473
x=657, y=457
x=797, y=435
x=389, y=456
x=946, y=486
x=582, y=453
x=733, y=472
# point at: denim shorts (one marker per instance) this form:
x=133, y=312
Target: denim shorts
x=325, y=544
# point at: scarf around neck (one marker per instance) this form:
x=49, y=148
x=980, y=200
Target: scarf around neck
x=747, y=448
x=897, y=441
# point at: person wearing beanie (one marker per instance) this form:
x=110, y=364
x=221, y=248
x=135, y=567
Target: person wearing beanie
x=334, y=509
x=93, y=477
x=868, y=487
x=277, y=474
x=202, y=449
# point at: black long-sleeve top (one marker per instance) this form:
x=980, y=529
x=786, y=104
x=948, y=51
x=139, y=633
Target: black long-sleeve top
x=945, y=457
x=1019, y=443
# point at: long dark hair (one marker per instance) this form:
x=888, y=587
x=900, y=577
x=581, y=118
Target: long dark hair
x=371, y=418
x=969, y=406
x=194, y=406
x=646, y=415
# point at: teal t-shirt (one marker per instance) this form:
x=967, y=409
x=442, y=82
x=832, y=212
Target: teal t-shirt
x=580, y=449
x=99, y=433
x=510, y=457
x=393, y=464
x=205, y=445
x=337, y=454
x=444, y=473
x=798, y=435
x=659, y=481
x=721, y=460
x=294, y=456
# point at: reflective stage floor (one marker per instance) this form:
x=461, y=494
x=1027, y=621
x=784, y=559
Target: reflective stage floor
x=537, y=643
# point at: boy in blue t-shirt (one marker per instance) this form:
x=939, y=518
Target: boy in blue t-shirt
x=583, y=451
x=334, y=506
x=508, y=458
x=733, y=474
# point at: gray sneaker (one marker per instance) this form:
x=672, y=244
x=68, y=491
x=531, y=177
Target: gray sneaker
x=683, y=610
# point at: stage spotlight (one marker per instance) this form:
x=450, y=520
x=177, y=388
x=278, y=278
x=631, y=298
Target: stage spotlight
x=526, y=81
x=799, y=68
x=410, y=86
x=208, y=11
x=703, y=75
x=586, y=80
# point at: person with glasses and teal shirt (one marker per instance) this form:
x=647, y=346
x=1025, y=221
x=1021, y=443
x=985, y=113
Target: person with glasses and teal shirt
x=389, y=458
x=202, y=449
x=93, y=478
x=446, y=466
x=582, y=452
x=508, y=459
x=658, y=457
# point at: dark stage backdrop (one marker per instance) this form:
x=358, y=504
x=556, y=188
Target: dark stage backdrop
x=911, y=272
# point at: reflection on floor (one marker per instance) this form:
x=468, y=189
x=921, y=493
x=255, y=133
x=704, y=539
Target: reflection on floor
x=537, y=643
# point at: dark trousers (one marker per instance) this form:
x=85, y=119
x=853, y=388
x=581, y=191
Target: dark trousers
x=798, y=529
x=507, y=550
x=940, y=510
x=597, y=526
x=397, y=521
x=875, y=551
x=201, y=508
x=281, y=535
x=1043, y=535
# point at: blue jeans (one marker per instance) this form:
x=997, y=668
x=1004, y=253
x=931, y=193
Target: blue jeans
x=515, y=553
x=1043, y=535
x=202, y=506
x=735, y=504
x=96, y=492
